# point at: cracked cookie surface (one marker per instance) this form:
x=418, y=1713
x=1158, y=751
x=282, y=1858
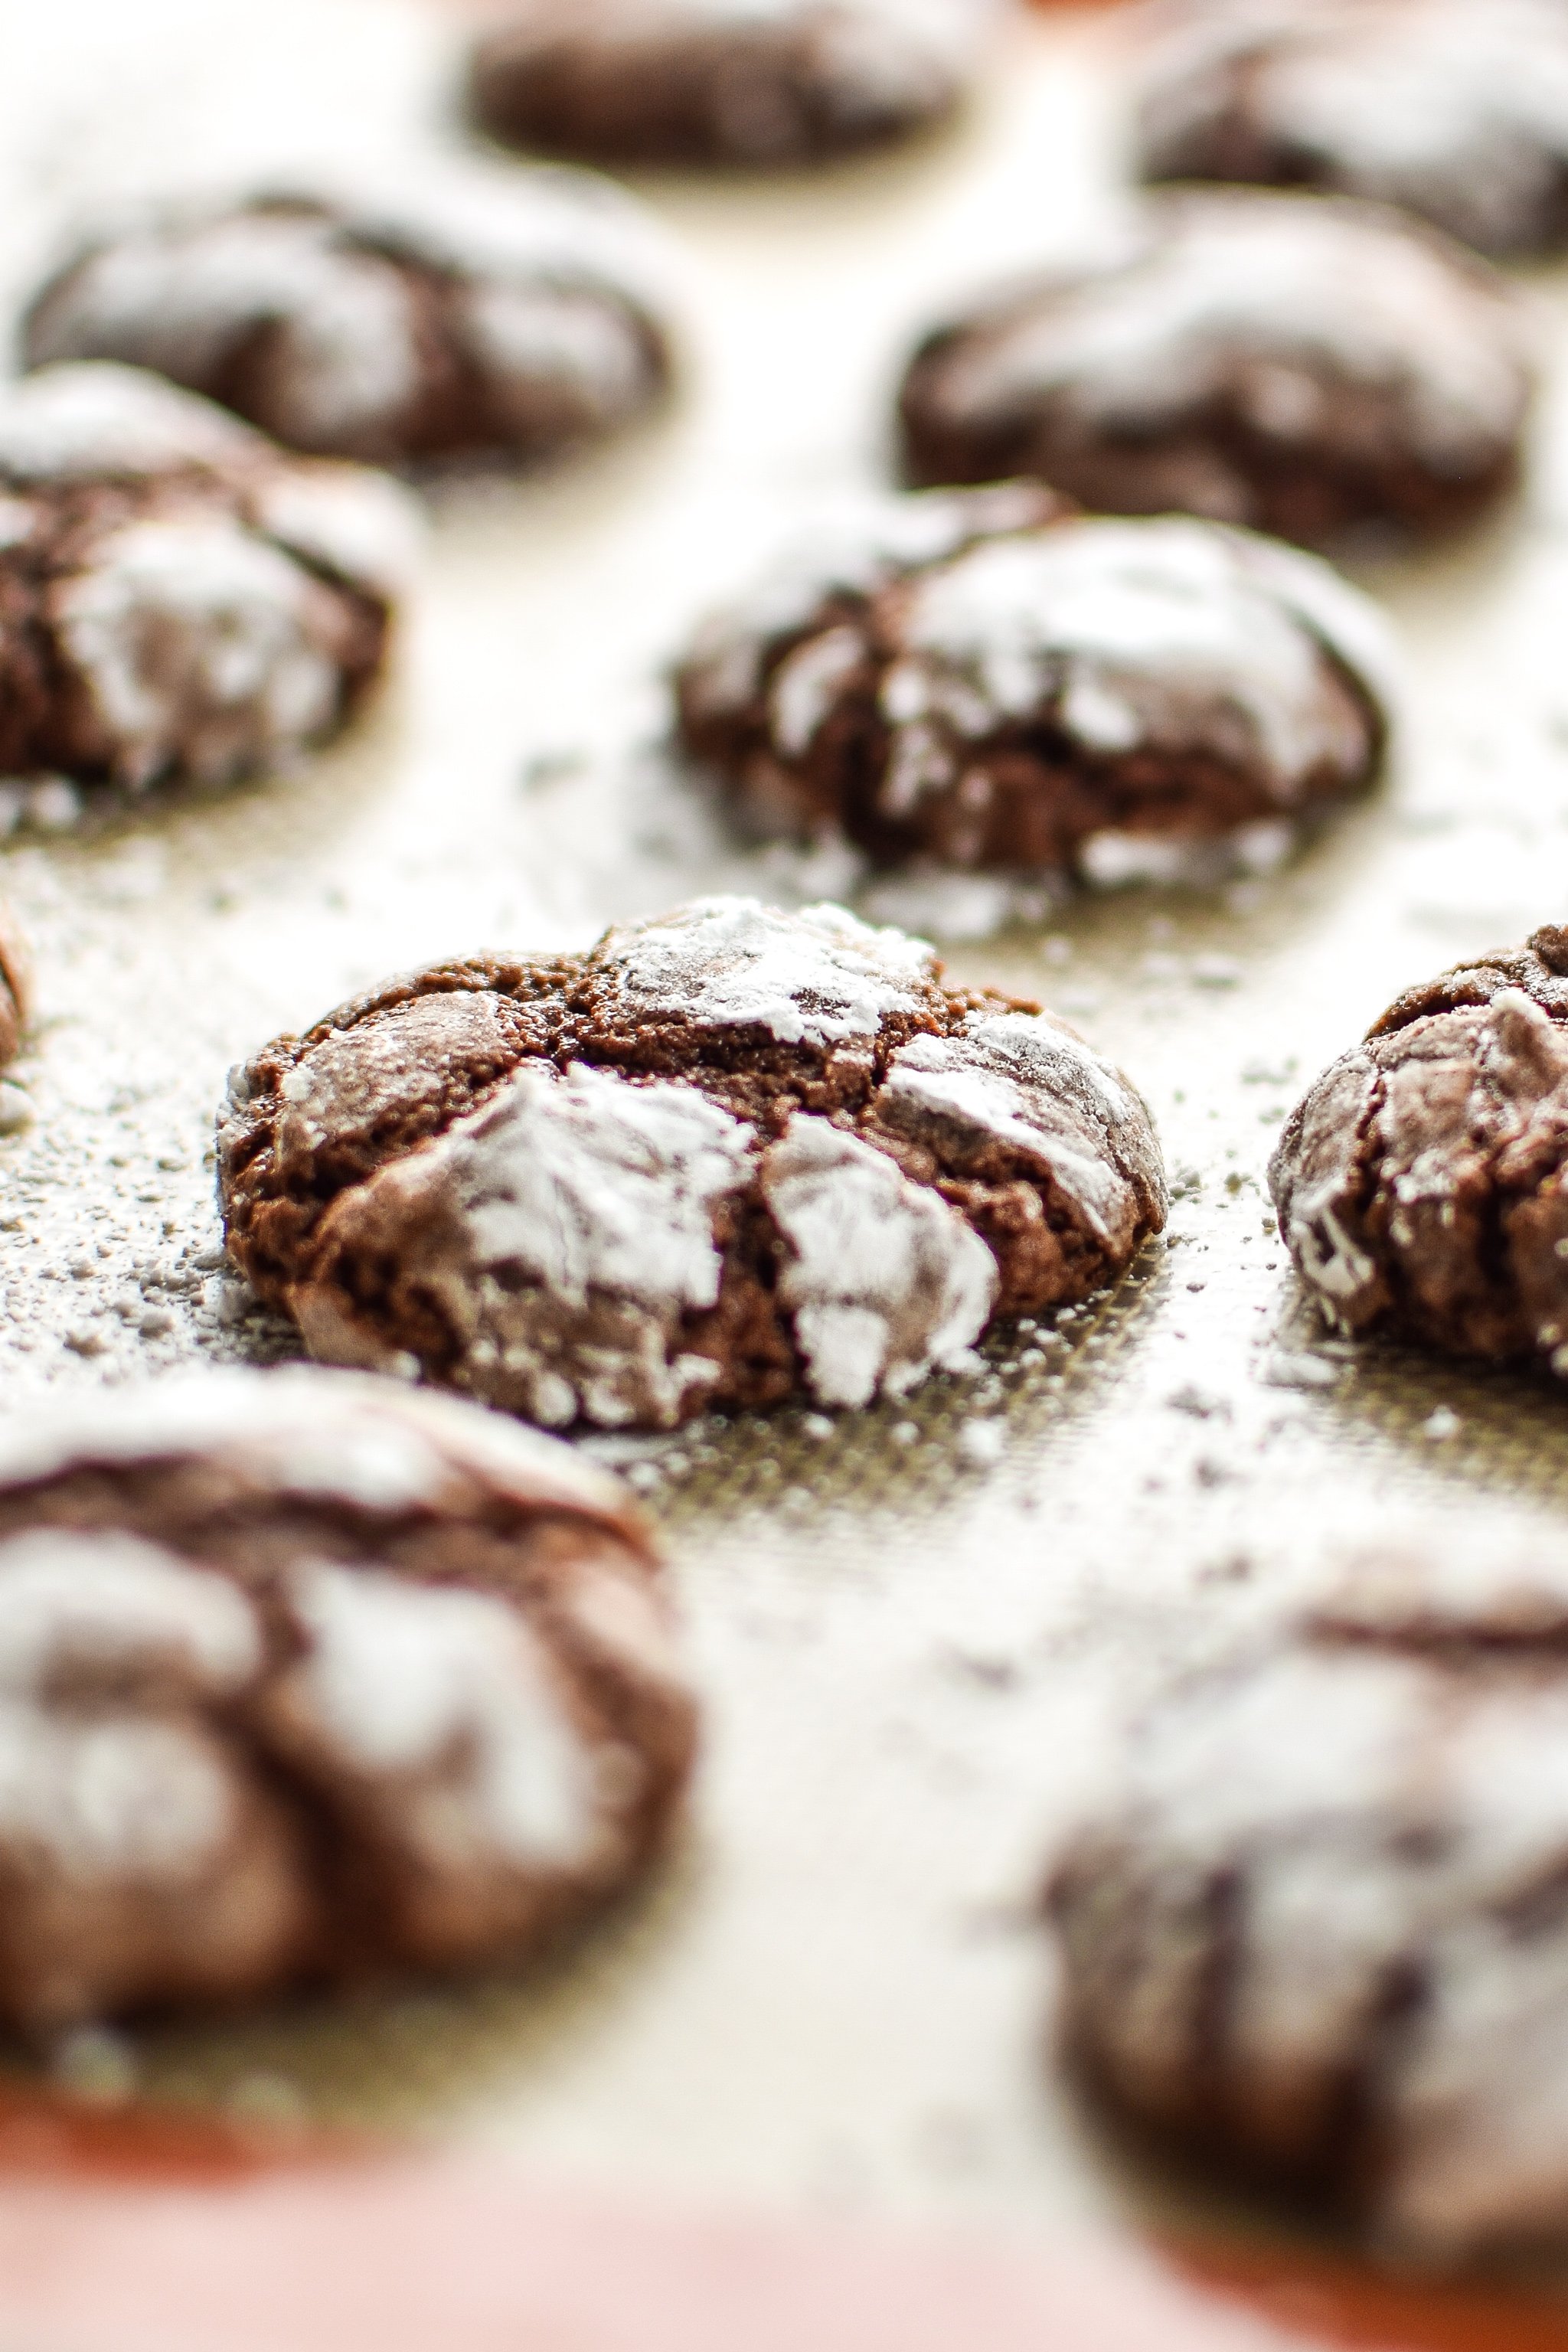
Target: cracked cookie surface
x=1420, y=1182
x=180, y=600
x=751, y=83
x=1305, y=366
x=305, y=1678
x=981, y=679
x=726, y=1156
x=460, y=315
x=1336, y=1963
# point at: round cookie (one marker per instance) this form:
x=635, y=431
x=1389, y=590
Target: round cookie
x=755, y=83
x=303, y=1677
x=1422, y=1182
x=965, y=686
x=1306, y=365
x=507, y=314
x=180, y=601
x=1456, y=109
x=723, y=1159
x=1336, y=1962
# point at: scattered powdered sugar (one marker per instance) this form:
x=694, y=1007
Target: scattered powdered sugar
x=885, y=1281
x=109, y=1604
x=1170, y=634
x=193, y=638
x=411, y=1683
x=97, y=420
x=820, y=977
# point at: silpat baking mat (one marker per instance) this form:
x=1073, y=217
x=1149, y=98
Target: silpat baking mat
x=915, y=1628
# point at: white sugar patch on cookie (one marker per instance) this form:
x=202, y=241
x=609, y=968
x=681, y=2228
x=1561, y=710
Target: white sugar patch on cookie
x=191, y=636
x=443, y=1697
x=1289, y=302
x=111, y=1797
x=1022, y=1080
x=885, y=1283
x=84, y=1603
x=99, y=420
x=359, y=526
x=820, y=977
x=588, y=1182
x=566, y=1230
x=1171, y=635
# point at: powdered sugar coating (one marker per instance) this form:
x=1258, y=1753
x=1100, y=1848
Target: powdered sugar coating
x=1393, y=1914
x=1419, y=1181
x=1457, y=110
x=1028, y=1083
x=722, y=1157
x=566, y=1230
x=1272, y=308
x=113, y=1607
x=1152, y=637
x=291, y=1682
x=462, y=310
x=405, y=1684
x=195, y=648
x=819, y=977
x=1050, y=697
x=884, y=1281
x=207, y=606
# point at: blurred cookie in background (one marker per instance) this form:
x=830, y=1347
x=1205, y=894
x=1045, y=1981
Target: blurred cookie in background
x=304, y=1679
x=1315, y=1929
x=749, y=83
x=983, y=681
x=463, y=314
x=1312, y=367
x=727, y=1158
x=1420, y=1181
x=180, y=600
x=1457, y=110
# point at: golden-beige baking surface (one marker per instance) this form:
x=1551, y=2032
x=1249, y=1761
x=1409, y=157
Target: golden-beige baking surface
x=914, y=1627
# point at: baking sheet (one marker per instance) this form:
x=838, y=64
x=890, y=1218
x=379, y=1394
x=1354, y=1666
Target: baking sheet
x=915, y=1627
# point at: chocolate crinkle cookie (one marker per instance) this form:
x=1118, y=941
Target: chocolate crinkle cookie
x=303, y=1677
x=1457, y=110
x=725, y=1158
x=180, y=601
x=747, y=83
x=1316, y=1931
x=962, y=681
x=1422, y=1184
x=506, y=314
x=1312, y=367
